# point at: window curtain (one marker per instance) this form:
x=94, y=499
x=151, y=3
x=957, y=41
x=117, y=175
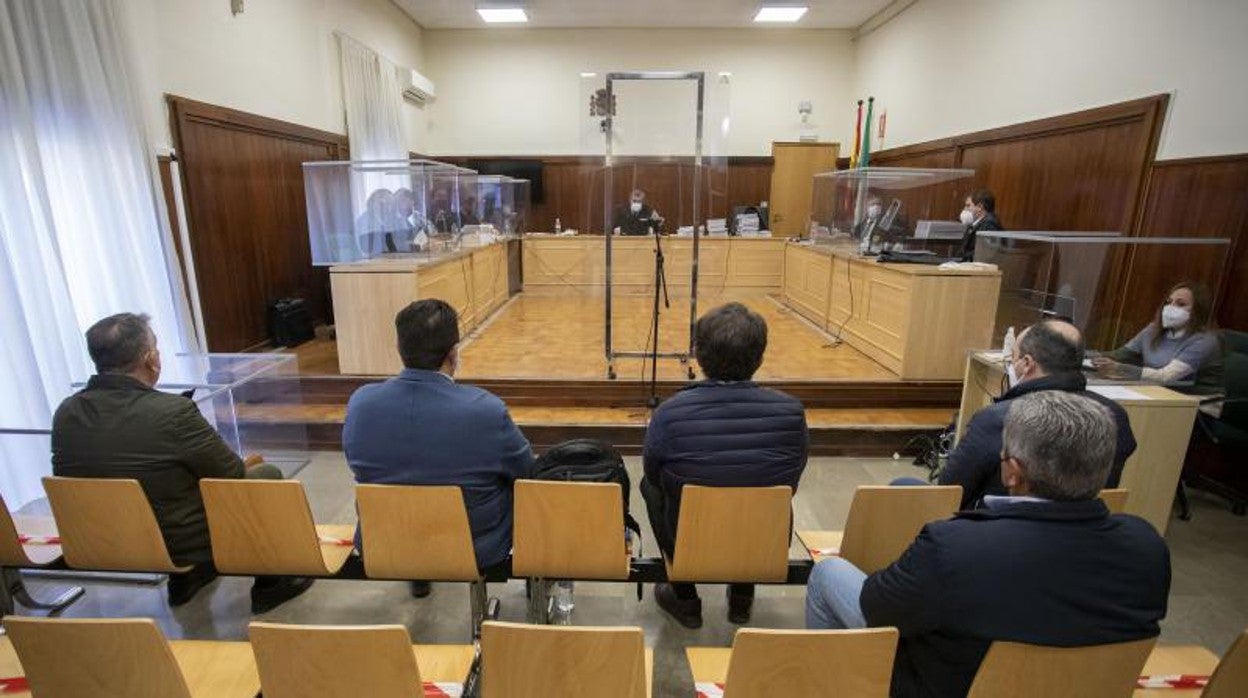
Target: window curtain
x=83, y=231
x=374, y=103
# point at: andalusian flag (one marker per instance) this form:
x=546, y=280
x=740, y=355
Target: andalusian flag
x=865, y=159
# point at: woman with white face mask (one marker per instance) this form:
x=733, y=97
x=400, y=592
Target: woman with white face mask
x=1180, y=346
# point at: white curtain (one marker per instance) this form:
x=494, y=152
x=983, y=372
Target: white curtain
x=83, y=232
x=374, y=103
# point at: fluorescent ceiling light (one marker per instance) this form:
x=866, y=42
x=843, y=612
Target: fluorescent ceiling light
x=503, y=15
x=779, y=14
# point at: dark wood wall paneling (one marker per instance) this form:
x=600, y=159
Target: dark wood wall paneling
x=1086, y=170
x=573, y=188
x=1198, y=197
x=243, y=179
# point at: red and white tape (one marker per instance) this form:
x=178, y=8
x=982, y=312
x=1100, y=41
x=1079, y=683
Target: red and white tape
x=15, y=684
x=708, y=690
x=1172, y=681
x=39, y=540
x=442, y=690
x=331, y=540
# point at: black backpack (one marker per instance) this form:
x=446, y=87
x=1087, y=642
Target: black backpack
x=588, y=460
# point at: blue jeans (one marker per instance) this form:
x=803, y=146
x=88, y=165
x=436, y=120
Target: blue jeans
x=832, y=596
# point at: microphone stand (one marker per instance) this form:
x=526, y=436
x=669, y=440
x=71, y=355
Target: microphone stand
x=660, y=286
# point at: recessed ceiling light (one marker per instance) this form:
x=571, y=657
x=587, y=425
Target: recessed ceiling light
x=788, y=13
x=503, y=15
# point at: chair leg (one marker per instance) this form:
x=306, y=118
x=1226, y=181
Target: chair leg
x=1185, y=508
x=539, y=601
x=15, y=589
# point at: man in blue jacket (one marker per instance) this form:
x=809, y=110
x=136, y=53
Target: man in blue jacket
x=422, y=428
x=725, y=431
x=1047, y=356
x=1046, y=564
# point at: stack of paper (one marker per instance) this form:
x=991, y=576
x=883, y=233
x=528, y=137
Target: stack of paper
x=717, y=226
x=747, y=224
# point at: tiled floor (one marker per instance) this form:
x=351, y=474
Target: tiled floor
x=1208, y=601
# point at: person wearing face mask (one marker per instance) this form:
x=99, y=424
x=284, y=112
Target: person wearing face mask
x=423, y=428
x=121, y=426
x=874, y=210
x=978, y=213
x=1047, y=356
x=1179, y=347
x=638, y=218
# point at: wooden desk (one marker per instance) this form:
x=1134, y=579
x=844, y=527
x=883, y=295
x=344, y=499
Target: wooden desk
x=916, y=320
x=1161, y=420
x=555, y=262
x=367, y=295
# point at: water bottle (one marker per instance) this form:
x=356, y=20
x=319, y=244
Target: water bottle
x=564, y=602
x=558, y=226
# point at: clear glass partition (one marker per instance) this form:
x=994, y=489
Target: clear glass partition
x=358, y=210
x=493, y=205
x=1107, y=285
x=887, y=207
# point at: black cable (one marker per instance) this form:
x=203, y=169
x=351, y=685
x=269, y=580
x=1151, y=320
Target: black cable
x=849, y=281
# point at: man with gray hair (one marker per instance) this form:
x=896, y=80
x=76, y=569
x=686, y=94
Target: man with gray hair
x=1046, y=564
x=120, y=426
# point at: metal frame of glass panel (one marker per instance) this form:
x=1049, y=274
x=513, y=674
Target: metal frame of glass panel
x=609, y=132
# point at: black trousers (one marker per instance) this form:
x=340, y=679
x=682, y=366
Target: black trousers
x=656, y=511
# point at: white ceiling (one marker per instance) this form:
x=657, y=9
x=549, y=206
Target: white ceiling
x=823, y=14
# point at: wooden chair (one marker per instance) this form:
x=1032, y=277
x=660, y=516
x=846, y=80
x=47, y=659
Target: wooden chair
x=1227, y=678
x=547, y=547
x=126, y=658
x=799, y=663
x=107, y=525
x=548, y=661
x=37, y=545
x=882, y=523
x=1025, y=671
x=1115, y=499
x=732, y=534
x=351, y=661
x=265, y=527
x=421, y=532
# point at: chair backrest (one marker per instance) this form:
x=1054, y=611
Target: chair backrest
x=1115, y=499
x=11, y=552
x=1230, y=679
x=70, y=658
x=415, y=532
x=811, y=663
x=1097, y=671
x=732, y=534
x=335, y=661
x=107, y=524
x=261, y=527
x=884, y=521
x=522, y=661
x=569, y=530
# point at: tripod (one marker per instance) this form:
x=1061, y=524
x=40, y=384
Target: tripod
x=660, y=286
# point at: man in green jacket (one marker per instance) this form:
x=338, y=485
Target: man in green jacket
x=120, y=426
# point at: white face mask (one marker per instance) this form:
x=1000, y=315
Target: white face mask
x=967, y=217
x=1173, y=317
x=873, y=211
x=1011, y=374
x=635, y=206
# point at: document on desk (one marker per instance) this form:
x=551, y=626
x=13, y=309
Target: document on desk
x=1118, y=392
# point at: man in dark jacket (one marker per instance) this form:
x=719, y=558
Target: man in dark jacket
x=1046, y=565
x=978, y=214
x=725, y=431
x=120, y=426
x=421, y=428
x=638, y=218
x=1047, y=356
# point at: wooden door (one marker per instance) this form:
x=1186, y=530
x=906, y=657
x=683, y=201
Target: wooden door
x=791, y=184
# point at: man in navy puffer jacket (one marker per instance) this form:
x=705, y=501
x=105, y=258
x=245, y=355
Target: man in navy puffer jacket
x=725, y=431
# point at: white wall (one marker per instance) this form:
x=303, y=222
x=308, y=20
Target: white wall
x=279, y=58
x=518, y=91
x=945, y=67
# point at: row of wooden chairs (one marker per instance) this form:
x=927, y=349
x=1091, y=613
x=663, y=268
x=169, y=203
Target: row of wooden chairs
x=101, y=658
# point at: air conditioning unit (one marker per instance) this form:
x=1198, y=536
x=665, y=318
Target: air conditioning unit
x=416, y=87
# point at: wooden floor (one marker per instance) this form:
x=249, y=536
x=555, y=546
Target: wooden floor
x=560, y=337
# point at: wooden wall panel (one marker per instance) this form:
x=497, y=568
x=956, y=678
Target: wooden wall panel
x=1197, y=197
x=573, y=188
x=243, y=180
